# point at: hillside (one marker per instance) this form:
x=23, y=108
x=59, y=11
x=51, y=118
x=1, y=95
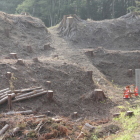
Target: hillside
x=108, y=48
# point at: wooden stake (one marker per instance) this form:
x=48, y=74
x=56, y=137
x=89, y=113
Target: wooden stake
x=4, y=90
x=9, y=101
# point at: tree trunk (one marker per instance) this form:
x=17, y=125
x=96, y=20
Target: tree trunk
x=68, y=25
x=3, y=100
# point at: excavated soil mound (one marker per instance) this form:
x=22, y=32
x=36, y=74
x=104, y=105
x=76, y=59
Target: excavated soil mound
x=121, y=33
x=17, y=32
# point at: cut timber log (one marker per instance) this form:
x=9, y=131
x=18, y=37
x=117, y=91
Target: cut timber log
x=3, y=100
x=28, y=94
x=19, y=112
x=31, y=96
x=1, y=91
x=38, y=126
x=12, y=132
x=4, y=93
x=13, y=56
x=26, y=90
x=4, y=129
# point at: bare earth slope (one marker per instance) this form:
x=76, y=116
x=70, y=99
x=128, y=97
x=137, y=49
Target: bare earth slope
x=114, y=47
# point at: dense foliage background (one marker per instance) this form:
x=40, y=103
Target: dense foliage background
x=52, y=11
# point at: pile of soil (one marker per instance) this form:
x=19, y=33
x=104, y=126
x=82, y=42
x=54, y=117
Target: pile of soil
x=118, y=34
x=17, y=32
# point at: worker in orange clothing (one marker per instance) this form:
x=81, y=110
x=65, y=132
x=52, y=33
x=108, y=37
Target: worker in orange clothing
x=136, y=91
x=126, y=92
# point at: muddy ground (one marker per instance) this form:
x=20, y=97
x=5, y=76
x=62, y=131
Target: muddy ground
x=115, y=47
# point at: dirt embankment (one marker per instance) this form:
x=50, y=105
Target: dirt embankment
x=17, y=32
x=118, y=34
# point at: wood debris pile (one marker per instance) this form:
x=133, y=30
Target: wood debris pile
x=18, y=95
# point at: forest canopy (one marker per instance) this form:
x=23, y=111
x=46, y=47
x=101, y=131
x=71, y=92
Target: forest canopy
x=52, y=11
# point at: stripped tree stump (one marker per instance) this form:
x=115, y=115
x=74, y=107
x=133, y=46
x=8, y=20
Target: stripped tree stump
x=129, y=113
x=89, y=53
x=29, y=49
x=36, y=59
x=130, y=73
x=9, y=101
x=20, y=62
x=47, y=47
x=8, y=75
x=50, y=95
x=13, y=56
x=116, y=115
x=74, y=115
x=48, y=85
x=89, y=74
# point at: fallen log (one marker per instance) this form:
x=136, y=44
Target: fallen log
x=26, y=90
x=38, y=126
x=2, y=95
x=3, y=100
x=12, y=132
x=4, y=129
x=31, y=96
x=1, y=91
x=28, y=94
x=18, y=112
